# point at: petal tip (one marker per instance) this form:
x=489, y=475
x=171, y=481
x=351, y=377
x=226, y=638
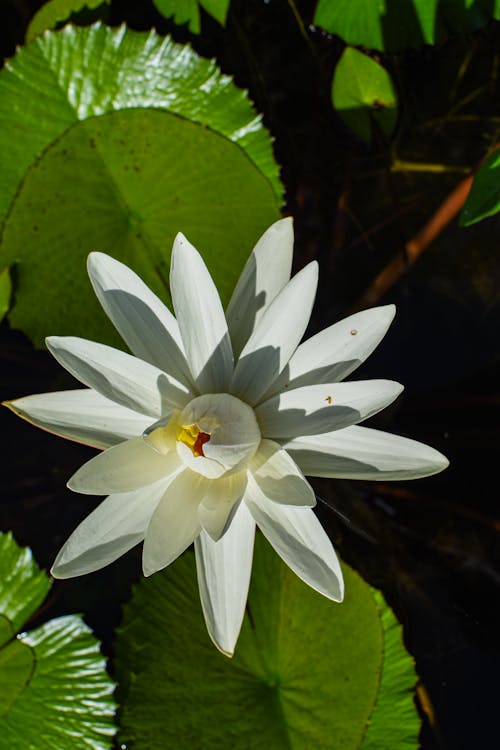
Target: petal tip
x=57, y=570
x=226, y=650
x=93, y=256
x=284, y=226
x=391, y=308
x=51, y=342
x=181, y=248
x=180, y=240
x=313, y=267
x=95, y=259
x=442, y=462
x=146, y=570
x=389, y=312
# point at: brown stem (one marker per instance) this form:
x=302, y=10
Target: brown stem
x=399, y=265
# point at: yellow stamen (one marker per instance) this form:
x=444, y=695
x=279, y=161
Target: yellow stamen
x=194, y=438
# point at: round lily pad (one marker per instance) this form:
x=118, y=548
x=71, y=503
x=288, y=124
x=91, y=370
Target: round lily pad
x=125, y=183
x=306, y=673
x=54, y=690
x=68, y=76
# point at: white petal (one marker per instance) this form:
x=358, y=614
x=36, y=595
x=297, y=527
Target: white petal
x=320, y=408
x=201, y=319
x=362, y=453
x=220, y=501
x=266, y=272
x=146, y=325
x=276, y=336
x=114, y=527
x=224, y=569
x=82, y=415
x=279, y=477
x=118, y=376
x=174, y=524
x=332, y=354
x=123, y=468
x=300, y=540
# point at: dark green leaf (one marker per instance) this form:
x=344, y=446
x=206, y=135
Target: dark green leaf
x=17, y=662
x=395, y=722
x=188, y=11
x=484, y=197
x=55, y=12
x=5, y=291
x=24, y=585
x=393, y=25
x=217, y=8
x=182, y=11
x=307, y=673
x=362, y=91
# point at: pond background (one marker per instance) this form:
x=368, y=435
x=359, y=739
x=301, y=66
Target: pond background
x=430, y=545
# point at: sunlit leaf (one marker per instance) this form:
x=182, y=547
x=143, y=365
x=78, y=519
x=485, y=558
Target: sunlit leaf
x=125, y=184
x=188, y=11
x=307, y=673
x=392, y=25
x=121, y=167
x=362, y=92
x=484, y=197
x=68, y=76
x=54, y=690
x=55, y=12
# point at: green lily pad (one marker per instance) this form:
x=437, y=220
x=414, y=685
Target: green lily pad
x=67, y=76
x=54, y=690
x=188, y=11
x=55, y=12
x=484, y=197
x=165, y=144
x=125, y=183
x=363, y=92
x=306, y=673
x=5, y=292
x=394, y=25
x=24, y=585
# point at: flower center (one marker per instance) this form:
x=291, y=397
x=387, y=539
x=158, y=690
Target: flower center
x=216, y=434
x=194, y=438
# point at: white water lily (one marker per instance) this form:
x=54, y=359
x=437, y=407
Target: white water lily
x=208, y=429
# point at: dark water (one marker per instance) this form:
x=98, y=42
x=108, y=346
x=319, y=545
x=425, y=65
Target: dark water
x=430, y=545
